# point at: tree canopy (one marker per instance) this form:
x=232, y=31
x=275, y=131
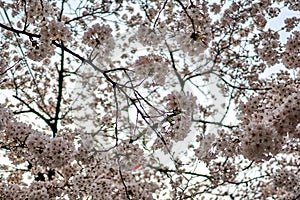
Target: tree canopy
x=149, y=99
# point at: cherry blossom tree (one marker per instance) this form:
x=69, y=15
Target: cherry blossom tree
x=150, y=99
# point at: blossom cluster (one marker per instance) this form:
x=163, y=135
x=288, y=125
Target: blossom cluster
x=283, y=184
x=6, y=115
x=179, y=127
x=269, y=53
x=37, y=11
x=2, y=66
x=54, y=153
x=260, y=21
x=262, y=141
x=151, y=66
x=55, y=30
x=270, y=120
x=287, y=116
x=226, y=144
x=148, y=37
x=18, y=131
x=201, y=19
x=190, y=46
x=292, y=4
x=103, y=182
x=287, y=180
x=107, y=120
x=291, y=23
x=51, y=30
x=291, y=56
x=204, y=151
x=179, y=102
x=37, y=190
x=100, y=37
x=43, y=150
x=222, y=172
x=130, y=156
x=181, y=107
x=269, y=50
